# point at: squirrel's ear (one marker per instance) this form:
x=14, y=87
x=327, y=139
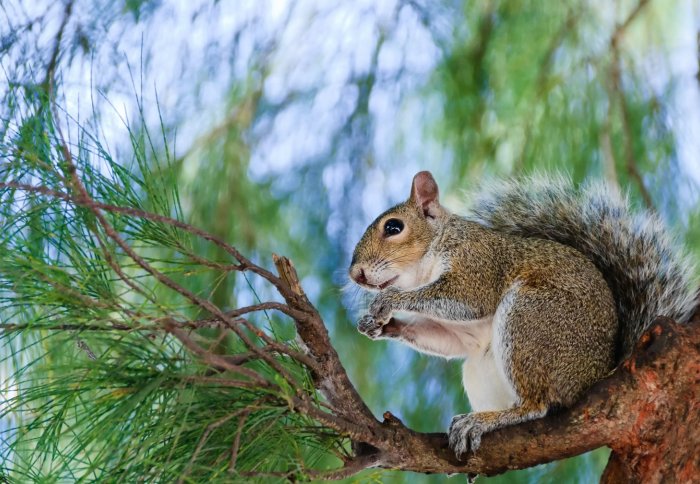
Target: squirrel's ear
x=424, y=193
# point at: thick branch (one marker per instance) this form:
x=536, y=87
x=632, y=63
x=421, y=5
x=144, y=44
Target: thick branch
x=649, y=400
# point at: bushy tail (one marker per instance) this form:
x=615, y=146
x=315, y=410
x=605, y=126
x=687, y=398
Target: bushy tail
x=648, y=274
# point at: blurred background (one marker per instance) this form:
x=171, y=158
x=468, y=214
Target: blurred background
x=291, y=124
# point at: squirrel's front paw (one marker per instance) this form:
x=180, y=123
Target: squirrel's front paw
x=465, y=433
x=382, y=306
x=370, y=326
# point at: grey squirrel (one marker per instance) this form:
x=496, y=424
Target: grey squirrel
x=542, y=288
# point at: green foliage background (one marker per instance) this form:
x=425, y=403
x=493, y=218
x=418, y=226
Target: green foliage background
x=287, y=130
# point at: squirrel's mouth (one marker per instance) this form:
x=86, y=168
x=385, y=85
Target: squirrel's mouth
x=388, y=283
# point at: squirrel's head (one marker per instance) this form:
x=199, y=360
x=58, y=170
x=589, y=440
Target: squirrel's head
x=391, y=251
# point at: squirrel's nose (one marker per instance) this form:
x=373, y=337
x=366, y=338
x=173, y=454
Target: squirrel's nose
x=358, y=275
x=362, y=279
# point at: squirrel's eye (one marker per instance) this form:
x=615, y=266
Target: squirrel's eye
x=392, y=226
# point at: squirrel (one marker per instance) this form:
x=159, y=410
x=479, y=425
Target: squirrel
x=542, y=288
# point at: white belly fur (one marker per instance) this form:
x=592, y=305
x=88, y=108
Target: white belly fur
x=483, y=378
x=487, y=387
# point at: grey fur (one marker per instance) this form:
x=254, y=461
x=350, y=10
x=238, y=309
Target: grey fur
x=648, y=274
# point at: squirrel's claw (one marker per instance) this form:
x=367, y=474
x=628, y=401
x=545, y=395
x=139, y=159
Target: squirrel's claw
x=369, y=326
x=465, y=433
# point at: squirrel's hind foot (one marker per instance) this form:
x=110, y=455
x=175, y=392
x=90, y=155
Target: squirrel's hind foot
x=466, y=430
x=465, y=433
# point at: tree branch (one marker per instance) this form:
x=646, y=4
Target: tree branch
x=644, y=404
x=48, y=82
x=631, y=163
x=331, y=380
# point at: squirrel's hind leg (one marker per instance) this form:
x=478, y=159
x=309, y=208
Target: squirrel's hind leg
x=541, y=348
x=552, y=343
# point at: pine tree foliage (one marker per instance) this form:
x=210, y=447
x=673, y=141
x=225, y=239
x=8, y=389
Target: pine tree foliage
x=98, y=386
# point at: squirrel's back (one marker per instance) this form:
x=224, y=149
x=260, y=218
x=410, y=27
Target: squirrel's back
x=647, y=273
